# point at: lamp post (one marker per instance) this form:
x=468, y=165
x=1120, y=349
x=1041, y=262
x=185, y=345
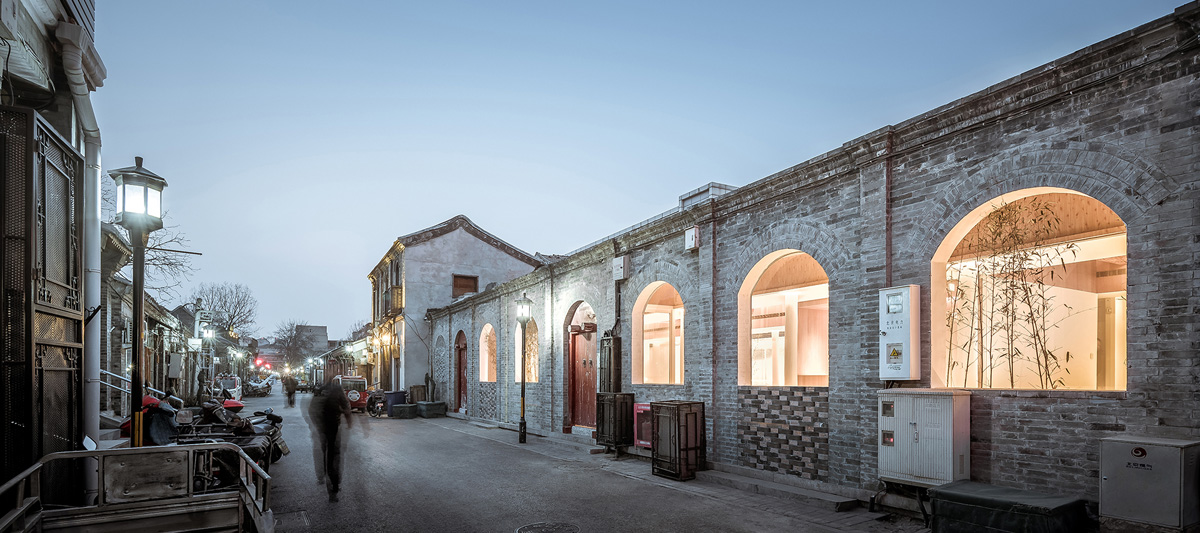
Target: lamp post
x=139, y=210
x=524, y=305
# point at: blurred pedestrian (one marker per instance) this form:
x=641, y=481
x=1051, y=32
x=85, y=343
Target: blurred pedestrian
x=326, y=410
x=289, y=387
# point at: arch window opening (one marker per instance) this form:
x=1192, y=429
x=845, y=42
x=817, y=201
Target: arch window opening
x=783, y=333
x=487, y=353
x=531, y=352
x=658, y=336
x=1031, y=294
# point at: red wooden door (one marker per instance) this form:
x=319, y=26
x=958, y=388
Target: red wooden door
x=461, y=347
x=583, y=379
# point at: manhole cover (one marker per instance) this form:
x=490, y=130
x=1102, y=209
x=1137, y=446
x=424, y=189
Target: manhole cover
x=297, y=519
x=549, y=527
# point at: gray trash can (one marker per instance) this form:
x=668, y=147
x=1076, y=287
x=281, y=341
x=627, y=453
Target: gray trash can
x=391, y=398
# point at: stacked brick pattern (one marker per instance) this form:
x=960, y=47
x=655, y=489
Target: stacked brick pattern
x=785, y=430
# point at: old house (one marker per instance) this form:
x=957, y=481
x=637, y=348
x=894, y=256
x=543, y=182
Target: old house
x=1034, y=243
x=425, y=270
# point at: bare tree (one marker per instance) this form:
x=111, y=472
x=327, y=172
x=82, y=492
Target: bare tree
x=293, y=341
x=235, y=306
x=358, y=330
x=165, y=270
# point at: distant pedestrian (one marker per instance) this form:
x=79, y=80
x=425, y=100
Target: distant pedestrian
x=289, y=387
x=325, y=414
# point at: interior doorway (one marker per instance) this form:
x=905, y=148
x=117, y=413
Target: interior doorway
x=460, y=349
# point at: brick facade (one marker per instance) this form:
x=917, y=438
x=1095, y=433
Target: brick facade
x=1118, y=121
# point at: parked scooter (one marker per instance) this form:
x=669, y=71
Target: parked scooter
x=253, y=389
x=376, y=404
x=158, y=422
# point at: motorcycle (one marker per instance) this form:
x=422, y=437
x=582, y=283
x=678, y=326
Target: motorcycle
x=257, y=389
x=217, y=421
x=376, y=405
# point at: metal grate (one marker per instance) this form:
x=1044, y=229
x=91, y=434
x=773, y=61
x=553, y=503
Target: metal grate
x=678, y=434
x=40, y=384
x=614, y=414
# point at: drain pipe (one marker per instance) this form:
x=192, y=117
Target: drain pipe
x=75, y=42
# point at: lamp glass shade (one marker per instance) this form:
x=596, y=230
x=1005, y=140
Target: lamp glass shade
x=524, y=307
x=154, y=203
x=135, y=199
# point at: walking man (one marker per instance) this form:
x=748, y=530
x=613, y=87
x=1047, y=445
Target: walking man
x=289, y=387
x=325, y=412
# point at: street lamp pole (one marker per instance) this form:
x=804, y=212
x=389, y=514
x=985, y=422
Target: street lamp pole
x=139, y=240
x=524, y=306
x=139, y=210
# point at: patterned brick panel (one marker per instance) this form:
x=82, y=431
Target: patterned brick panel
x=785, y=430
x=486, y=401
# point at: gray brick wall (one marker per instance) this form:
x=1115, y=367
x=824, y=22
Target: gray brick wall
x=1117, y=121
x=785, y=430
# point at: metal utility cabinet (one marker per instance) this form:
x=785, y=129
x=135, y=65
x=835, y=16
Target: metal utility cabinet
x=1150, y=480
x=678, y=434
x=924, y=436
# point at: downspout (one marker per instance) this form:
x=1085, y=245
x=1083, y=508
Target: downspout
x=74, y=43
x=712, y=326
x=887, y=209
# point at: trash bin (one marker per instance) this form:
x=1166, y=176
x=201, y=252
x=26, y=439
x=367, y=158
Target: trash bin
x=391, y=398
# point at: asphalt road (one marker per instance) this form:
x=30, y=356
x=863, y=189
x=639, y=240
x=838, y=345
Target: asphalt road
x=449, y=475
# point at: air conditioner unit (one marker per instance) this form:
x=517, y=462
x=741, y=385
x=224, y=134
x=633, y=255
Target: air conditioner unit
x=1150, y=480
x=924, y=436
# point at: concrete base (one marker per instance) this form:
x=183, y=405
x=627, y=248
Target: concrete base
x=403, y=410
x=431, y=409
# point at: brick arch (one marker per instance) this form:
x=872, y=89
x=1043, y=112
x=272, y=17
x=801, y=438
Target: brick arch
x=822, y=245
x=668, y=270
x=1121, y=180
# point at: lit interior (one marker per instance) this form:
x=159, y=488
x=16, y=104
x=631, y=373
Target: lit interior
x=531, y=352
x=1030, y=300
x=787, y=341
x=662, y=335
x=487, y=353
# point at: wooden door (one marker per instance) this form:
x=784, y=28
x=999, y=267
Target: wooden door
x=583, y=379
x=460, y=347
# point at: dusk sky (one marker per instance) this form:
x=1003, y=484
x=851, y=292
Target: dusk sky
x=299, y=139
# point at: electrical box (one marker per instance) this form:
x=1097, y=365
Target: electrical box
x=899, y=333
x=1150, y=480
x=691, y=238
x=620, y=267
x=924, y=436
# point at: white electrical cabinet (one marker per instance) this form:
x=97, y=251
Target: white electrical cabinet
x=1150, y=480
x=924, y=436
x=899, y=333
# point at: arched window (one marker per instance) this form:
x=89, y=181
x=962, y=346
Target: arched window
x=1029, y=293
x=783, y=322
x=531, y=352
x=658, y=335
x=487, y=354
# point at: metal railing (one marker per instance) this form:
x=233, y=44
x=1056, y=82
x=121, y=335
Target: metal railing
x=141, y=480
x=126, y=391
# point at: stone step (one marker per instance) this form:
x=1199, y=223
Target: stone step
x=779, y=490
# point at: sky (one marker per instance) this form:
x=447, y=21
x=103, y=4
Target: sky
x=299, y=139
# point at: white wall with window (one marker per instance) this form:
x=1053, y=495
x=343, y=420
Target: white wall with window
x=658, y=348
x=783, y=322
x=1030, y=294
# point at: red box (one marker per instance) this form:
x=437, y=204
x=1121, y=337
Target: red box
x=642, y=425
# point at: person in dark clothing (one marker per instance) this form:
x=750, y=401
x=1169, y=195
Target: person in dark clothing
x=289, y=387
x=325, y=414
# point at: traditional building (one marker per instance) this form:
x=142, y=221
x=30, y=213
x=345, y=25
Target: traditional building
x=428, y=269
x=1047, y=226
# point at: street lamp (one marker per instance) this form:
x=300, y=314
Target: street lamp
x=524, y=305
x=139, y=211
